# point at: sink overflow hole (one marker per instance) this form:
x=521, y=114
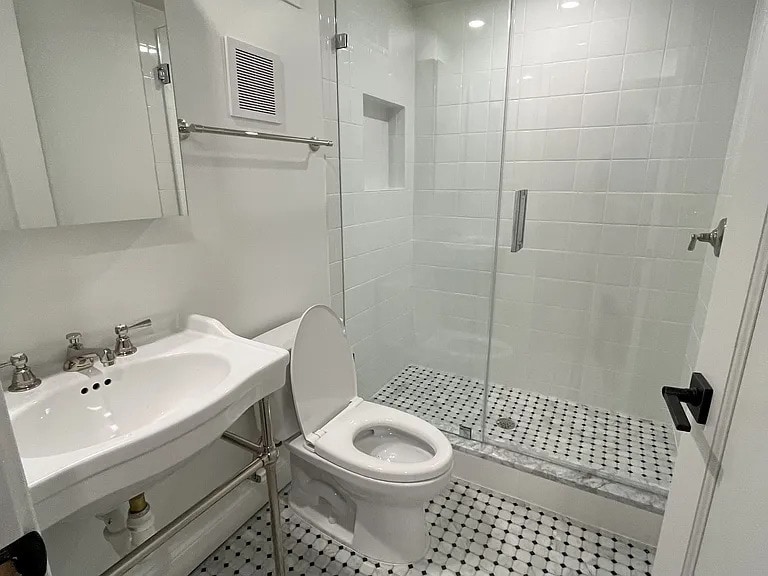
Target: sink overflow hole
x=506, y=423
x=107, y=382
x=84, y=391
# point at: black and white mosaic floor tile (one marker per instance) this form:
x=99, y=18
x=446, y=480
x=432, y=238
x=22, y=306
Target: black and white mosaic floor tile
x=614, y=445
x=473, y=532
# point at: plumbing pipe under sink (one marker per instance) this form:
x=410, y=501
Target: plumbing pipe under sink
x=141, y=520
x=126, y=532
x=115, y=531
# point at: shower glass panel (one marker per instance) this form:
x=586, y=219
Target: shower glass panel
x=616, y=116
x=619, y=120
x=421, y=91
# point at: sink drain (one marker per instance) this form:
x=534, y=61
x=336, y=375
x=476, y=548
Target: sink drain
x=506, y=423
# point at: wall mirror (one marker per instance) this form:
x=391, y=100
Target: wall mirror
x=88, y=122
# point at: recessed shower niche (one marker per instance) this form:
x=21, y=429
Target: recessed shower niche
x=383, y=144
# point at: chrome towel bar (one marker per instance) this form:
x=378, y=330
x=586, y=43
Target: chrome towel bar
x=187, y=128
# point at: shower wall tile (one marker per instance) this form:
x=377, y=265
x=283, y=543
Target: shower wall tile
x=622, y=117
x=455, y=197
x=702, y=174
x=331, y=101
x=618, y=123
x=372, y=289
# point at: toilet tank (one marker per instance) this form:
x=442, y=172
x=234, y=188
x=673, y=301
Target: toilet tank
x=285, y=424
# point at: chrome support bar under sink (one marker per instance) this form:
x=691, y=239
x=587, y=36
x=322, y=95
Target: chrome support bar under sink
x=267, y=460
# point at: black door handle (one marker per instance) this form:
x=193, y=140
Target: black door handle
x=698, y=396
x=27, y=555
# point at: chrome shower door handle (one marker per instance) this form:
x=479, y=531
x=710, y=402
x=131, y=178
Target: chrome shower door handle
x=518, y=220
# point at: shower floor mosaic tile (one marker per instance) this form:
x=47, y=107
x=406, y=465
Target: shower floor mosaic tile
x=473, y=532
x=616, y=446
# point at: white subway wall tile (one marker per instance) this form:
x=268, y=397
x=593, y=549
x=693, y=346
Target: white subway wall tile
x=600, y=109
x=637, y=106
x=642, y=70
x=608, y=37
x=618, y=121
x=604, y=74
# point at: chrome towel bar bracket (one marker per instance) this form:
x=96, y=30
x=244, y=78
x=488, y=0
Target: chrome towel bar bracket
x=187, y=128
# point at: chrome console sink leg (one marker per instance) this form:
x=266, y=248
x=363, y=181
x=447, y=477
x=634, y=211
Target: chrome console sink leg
x=268, y=441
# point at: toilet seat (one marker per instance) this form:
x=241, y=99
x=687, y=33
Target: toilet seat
x=336, y=443
x=331, y=415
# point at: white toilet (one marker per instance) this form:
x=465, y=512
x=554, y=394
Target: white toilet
x=362, y=473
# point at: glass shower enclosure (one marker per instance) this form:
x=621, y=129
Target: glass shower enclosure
x=615, y=116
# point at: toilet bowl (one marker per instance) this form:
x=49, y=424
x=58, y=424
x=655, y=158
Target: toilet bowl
x=362, y=473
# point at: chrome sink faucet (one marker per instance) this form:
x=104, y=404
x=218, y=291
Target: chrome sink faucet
x=80, y=358
x=123, y=344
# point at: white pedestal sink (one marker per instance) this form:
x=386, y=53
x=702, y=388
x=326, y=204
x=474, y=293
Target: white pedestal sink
x=91, y=440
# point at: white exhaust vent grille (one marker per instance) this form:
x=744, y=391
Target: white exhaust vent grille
x=255, y=79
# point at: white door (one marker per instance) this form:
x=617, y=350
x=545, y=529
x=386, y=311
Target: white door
x=736, y=530
x=17, y=516
x=726, y=341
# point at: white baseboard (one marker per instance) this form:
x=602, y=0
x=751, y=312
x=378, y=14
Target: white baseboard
x=585, y=507
x=185, y=551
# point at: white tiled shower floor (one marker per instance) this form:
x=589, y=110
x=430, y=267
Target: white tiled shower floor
x=617, y=446
x=473, y=532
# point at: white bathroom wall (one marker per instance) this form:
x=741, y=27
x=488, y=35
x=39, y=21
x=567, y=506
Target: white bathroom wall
x=460, y=98
x=619, y=123
x=252, y=252
x=378, y=220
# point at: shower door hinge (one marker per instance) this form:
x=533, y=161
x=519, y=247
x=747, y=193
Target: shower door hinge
x=341, y=41
x=163, y=73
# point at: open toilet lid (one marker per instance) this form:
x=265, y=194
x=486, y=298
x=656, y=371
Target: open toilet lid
x=323, y=377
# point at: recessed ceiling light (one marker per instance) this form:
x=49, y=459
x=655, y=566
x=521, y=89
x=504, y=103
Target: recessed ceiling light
x=570, y=4
x=476, y=23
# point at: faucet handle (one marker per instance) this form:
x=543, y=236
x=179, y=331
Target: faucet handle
x=18, y=360
x=23, y=379
x=122, y=330
x=75, y=340
x=123, y=344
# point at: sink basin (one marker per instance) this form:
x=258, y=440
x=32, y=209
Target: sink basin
x=91, y=440
x=128, y=398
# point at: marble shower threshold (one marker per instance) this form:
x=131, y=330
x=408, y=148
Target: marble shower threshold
x=614, y=455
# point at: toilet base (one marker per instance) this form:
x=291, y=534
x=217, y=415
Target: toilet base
x=384, y=521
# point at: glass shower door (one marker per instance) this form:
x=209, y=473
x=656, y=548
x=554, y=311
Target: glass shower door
x=619, y=130
x=421, y=101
